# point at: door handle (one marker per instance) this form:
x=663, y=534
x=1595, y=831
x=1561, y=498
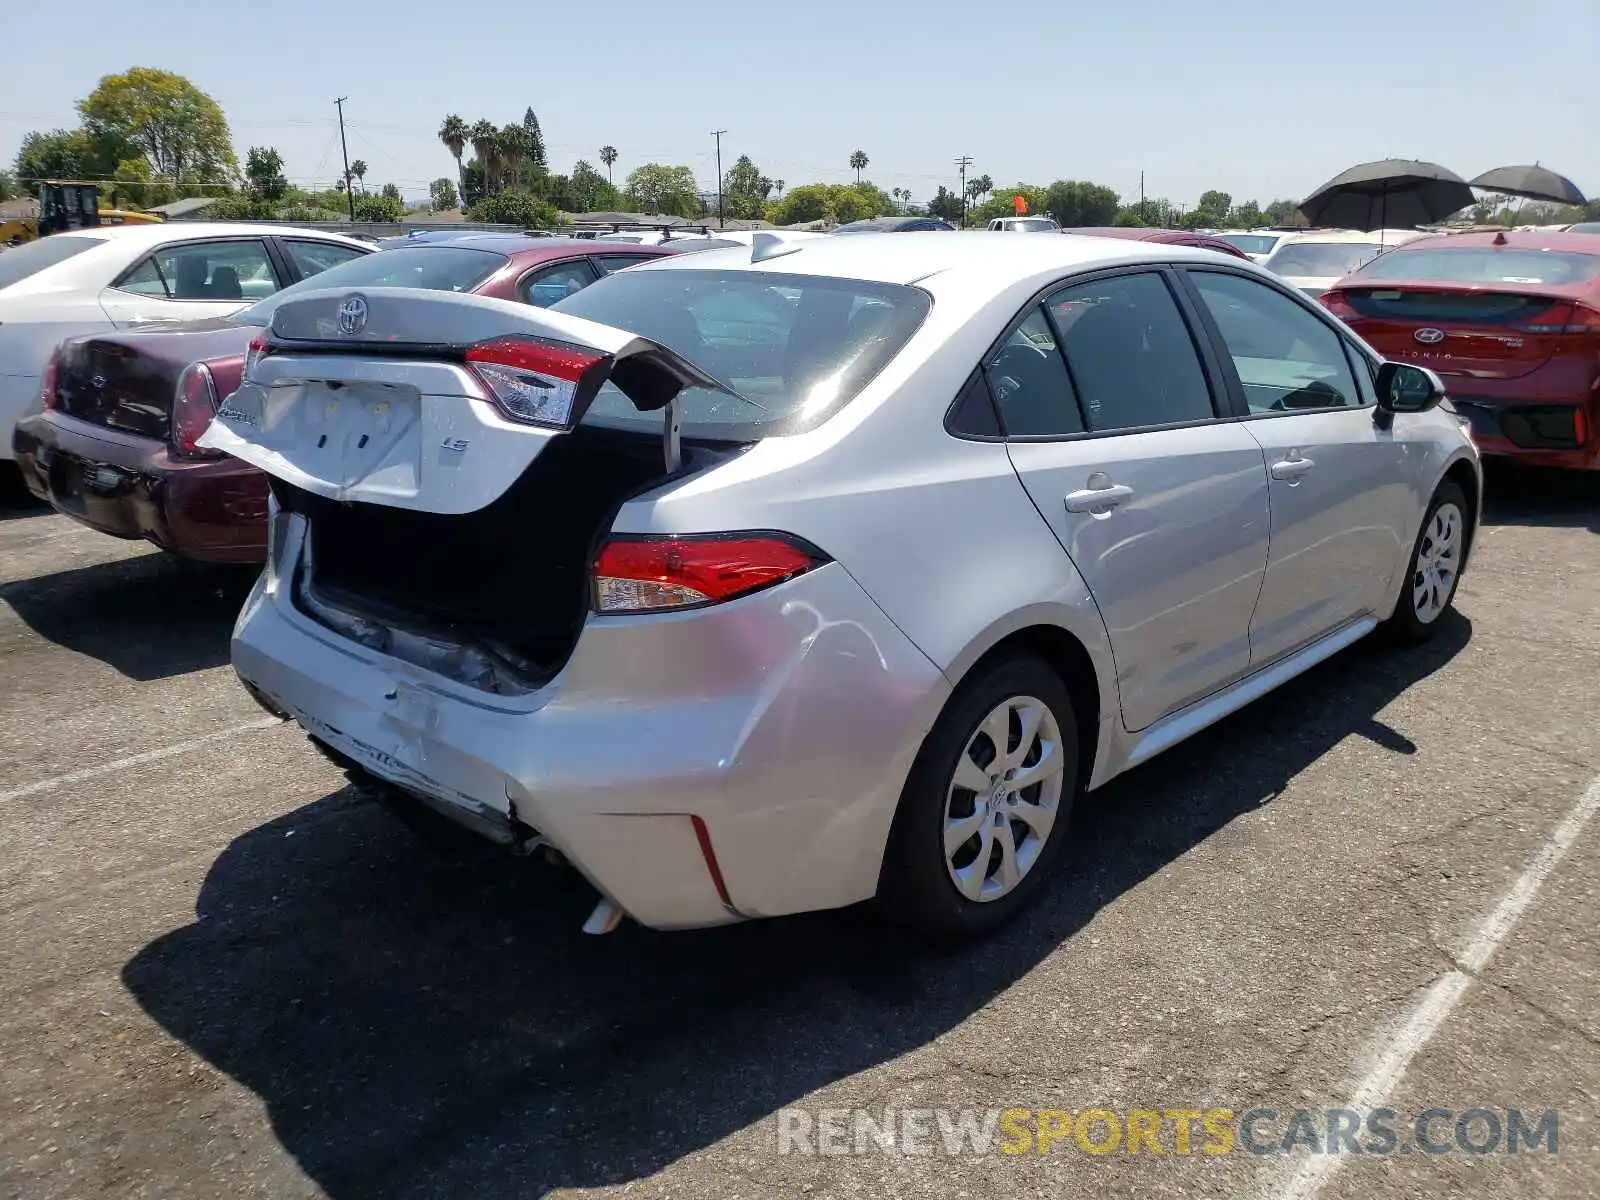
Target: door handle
x=1098, y=500
x=1291, y=469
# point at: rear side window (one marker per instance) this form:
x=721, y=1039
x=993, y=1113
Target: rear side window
x=544, y=287
x=436, y=268
x=312, y=258
x=1029, y=382
x=1471, y=264
x=19, y=262
x=797, y=347
x=1132, y=359
x=1287, y=358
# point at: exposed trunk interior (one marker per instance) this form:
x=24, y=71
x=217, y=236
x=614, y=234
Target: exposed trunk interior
x=496, y=597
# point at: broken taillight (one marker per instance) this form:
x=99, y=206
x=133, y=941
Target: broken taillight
x=194, y=403
x=532, y=381
x=50, y=381
x=650, y=574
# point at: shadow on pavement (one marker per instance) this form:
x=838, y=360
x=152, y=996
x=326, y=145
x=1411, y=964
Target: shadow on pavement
x=422, y=1026
x=1518, y=495
x=148, y=617
x=15, y=499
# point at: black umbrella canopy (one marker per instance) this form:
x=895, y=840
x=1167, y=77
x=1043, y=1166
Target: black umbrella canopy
x=1531, y=183
x=1393, y=193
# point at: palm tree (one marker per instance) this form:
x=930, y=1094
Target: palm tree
x=608, y=155
x=512, y=145
x=778, y=183
x=484, y=138
x=858, y=163
x=359, y=170
x=453, y=133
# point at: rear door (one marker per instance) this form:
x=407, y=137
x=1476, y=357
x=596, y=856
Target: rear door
x=187, y=281
x=1111, y=410
x=1342, y=508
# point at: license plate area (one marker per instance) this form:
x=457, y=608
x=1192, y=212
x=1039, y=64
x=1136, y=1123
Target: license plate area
x=342, y=433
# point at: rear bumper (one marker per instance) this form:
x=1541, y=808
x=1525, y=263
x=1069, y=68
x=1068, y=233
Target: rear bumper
x=1540, y=433
x=135, y=487
x=785, y=723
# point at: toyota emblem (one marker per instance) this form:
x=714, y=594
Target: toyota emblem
x=1428, y=337
x=352, y=315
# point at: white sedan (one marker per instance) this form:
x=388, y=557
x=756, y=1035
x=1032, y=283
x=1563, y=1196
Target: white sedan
x=92, y=280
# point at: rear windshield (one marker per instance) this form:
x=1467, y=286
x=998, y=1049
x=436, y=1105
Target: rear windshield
x=19, y=262
x=1321, y=260
x=435, y=268
x=797, y=346
x=1251, y=243
x=1483, y=264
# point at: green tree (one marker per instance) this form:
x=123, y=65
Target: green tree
x=454, y=134
x=1210, y=212
x=655, y=188
x=1283, y=212
x=1000, y=204
x=1076, y=202
x=777, y=186
x=442, y=195
x=358, y=171
x=59, y=154
x=946, y=204
x=591, y=191
x=380, y=208
x=608, y=156
x=841, y=202
x=392, y=191
x=473, y=187
x=513, y=145
x=858, y=163
x=8, y=185
x=515, y=208
x=179, y=130
x=485, y=140
x=745, y=190
x=534, y=142
x=263, y=174
x=1245, y=216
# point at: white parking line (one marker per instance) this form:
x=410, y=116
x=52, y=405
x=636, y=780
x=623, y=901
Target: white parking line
x=1392, y=1055
x=133, y=760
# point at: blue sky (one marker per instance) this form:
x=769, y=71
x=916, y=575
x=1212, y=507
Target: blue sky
x=1259, y=100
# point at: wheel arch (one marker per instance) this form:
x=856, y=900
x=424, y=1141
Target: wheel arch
x=1465, y=475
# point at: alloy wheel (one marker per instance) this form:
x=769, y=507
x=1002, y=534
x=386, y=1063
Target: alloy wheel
x=1438, y=563
x=1004, y=798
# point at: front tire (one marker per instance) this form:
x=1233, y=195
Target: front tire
x=983, y=817
x=1429, y=588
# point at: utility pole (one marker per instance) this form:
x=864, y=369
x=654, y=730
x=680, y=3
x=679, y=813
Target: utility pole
x=962, y=164
x=345, y=150
x=717, y=133
x=1141, y=198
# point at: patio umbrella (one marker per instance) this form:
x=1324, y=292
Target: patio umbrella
x=1381, y=195
x=1531, y=183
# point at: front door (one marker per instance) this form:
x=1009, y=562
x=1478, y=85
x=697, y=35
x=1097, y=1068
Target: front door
x=1113, y=428
x=1337, y=489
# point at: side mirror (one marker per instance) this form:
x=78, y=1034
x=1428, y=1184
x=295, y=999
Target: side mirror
x=1403, y=388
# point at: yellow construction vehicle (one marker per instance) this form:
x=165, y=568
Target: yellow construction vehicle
x=67, y=205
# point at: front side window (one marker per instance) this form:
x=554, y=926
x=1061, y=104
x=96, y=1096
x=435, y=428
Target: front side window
x=237, y=270
x=1132, y=359
x=1286, y=357
x=544, y=287
x=312, y=258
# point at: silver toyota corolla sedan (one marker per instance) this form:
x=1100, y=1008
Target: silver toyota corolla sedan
x=779, y=578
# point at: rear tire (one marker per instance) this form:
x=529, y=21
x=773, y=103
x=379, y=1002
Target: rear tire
x=981, y=824
x=1429, y=587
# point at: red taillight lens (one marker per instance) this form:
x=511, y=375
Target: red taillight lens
x=530, y=380
x=193, y=406
x=258, y=351
x=50, y=381
x=648, y=574
x=1584, y=319
x=1335, y=303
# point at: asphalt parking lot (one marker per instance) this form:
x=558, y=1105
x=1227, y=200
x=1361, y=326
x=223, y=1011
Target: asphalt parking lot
x=226, y=973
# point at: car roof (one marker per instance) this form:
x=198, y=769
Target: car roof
x=1336, y=236
x=995, y=257
x=148, y=236
x=1524, y=239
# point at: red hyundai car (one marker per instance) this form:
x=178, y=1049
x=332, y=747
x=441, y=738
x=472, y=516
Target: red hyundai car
x=115, y=446
x=1174, y=237
x=1510, y=321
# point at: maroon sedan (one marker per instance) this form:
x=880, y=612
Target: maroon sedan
x=1175, y=237
x=116, y=445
